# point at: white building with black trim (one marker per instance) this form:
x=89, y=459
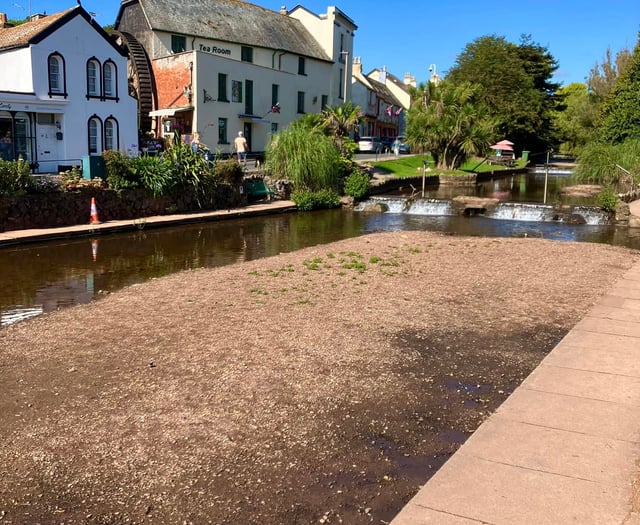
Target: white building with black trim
x=63, y=92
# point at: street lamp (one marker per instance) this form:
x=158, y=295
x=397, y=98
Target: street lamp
x=346, y=67
x=434, y=71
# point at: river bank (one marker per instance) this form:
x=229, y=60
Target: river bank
x=323, y=385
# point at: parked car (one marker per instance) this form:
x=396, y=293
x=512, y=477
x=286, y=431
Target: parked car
x=401, y=145
x=387, y=142
x=370, y=145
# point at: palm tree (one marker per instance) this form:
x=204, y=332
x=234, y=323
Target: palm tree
x=340, y=122
x=448, y=121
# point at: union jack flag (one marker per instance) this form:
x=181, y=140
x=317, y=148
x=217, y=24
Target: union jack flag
x=275, y=108
x=389, y=111
x=398, y=111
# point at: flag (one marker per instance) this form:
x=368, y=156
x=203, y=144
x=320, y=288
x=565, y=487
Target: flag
x=275, y=108
x=398, y=111
x=389, y=111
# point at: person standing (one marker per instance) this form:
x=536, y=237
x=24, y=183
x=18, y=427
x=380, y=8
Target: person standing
x=6, y=147
x=241, y=147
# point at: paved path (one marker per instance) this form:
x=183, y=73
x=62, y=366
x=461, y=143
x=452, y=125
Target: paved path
x=35, y=235
x=565, y=446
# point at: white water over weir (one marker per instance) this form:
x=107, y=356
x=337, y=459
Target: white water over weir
x=514, y=211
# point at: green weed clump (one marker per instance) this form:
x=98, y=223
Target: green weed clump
x=307, y=200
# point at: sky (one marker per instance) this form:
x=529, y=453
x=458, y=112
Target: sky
x=409, y=36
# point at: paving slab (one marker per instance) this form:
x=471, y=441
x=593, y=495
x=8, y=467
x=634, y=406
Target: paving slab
x=602, y=386
x=490, y=492
x=598, y=352
x=616, y=301
x=610, y=326
x=566, y=453
x=577, y=414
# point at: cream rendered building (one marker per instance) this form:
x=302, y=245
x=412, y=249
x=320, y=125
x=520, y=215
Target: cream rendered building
x=219, y=67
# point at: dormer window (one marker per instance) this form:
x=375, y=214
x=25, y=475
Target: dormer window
x=178, y=43
x=246, y=54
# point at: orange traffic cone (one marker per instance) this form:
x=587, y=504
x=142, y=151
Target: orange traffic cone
x=94, y=212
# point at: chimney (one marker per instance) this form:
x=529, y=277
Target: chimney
x=382, y=75
x=3, y=21
x=357, y=65
x=409, y=80
x=283, y=10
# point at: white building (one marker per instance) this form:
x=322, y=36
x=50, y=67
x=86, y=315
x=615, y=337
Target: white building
x=382, y=111
x=224, y=66
x=63, y=91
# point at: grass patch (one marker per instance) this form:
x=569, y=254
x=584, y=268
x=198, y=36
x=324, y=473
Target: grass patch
x=405, y=167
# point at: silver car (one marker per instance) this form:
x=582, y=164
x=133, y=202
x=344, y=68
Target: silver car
x=370, y=145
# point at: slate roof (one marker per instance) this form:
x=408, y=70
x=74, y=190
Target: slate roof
x=229, y=21
x=35, y=31
x=383, y=92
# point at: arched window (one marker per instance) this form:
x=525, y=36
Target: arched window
x=95, y=135
x=110, y=79
x=57, y=75
x=111, y=138
x=93, y=78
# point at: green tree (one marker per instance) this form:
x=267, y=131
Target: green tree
x=340, y=122
x=621, y=109
x=448, y=121
x=576, y=123
x=515, y=83
x=603, y=77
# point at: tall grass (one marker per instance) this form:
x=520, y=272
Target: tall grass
x=306, y=157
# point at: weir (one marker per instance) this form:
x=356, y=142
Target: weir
x=515, y=211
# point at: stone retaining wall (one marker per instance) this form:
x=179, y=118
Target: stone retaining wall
x=50, y=210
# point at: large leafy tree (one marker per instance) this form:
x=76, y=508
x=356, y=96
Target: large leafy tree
x=515, y=84
x=621, y=109
x=448, y=121
x=576, y=123
x=603, y=77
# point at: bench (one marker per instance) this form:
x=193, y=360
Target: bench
x=258, y=189
x=501, y=161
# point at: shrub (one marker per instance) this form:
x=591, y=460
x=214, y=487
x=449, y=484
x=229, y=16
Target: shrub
x=46, y=184
x=357, y=184
x=229, y=172
x=192, y=171
x=15, y=178
x=607, y=199
x=153, y=173
x=308, y=200
x=118, y=170
x=72, y=180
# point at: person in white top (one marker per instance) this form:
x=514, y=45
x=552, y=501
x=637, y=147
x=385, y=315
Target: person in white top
x=241, y=148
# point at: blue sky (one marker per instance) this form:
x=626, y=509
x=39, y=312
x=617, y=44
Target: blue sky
x=409, y=35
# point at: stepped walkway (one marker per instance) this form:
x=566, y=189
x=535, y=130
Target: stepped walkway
x=565, y=446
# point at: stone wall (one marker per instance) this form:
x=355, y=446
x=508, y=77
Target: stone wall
x=50, y=210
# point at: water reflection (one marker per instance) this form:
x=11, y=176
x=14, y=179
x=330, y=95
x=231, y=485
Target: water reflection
x=51, y=275
x=520, y=187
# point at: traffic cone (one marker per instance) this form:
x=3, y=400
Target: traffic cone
x=94, y=212
x=94, y=249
